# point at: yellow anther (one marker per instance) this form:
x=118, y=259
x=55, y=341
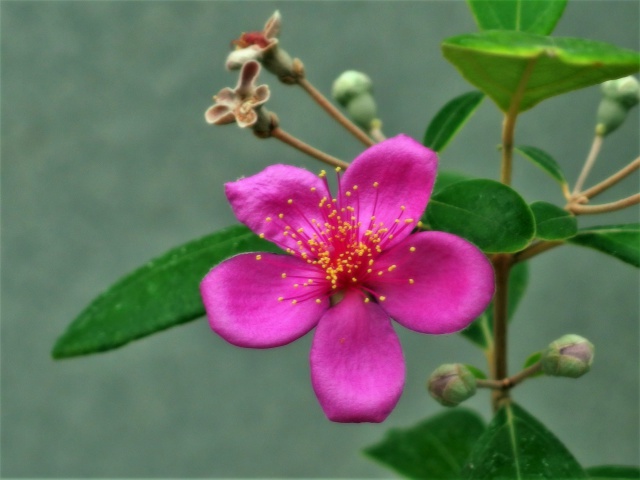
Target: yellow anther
x=348, y=194
x=369, y=270
x=293, y=302
x=392, y=268
x=295, y=285
x=366, y=300
x=284, y=275
x=371, y=262
x=261, y=235
x=355, y=187
x=382, y=298
x=408, y=220
x=376, y=184
x=411, y=281
x=258, y=257
x=280, y=299
x=412, y=249
x=313, y=189
x=290, y=201
x=354, y=279
x=281, y=215
x=322, y=173
x=380, y=272
x=402, y=207
x=338, y=169
x=300, y=230
x=268, y=219
x=318, y=300
x=420, y=224
x=334, y=286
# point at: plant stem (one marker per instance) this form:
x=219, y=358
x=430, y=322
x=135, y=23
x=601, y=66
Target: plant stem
x=334, y=112
x=508, y=127
x=612, y=180
x=502, y=265
x=308, y=149
x=535, y=249
x=512, y=381
x=578, y=209
x=588, y=164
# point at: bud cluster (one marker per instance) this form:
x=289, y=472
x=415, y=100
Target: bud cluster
x=619, y=96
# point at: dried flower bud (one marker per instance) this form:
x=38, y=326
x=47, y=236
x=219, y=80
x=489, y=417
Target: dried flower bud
x=350, y=84
x=451, y=384
x=569, y=356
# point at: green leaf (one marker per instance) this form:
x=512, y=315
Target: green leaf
x=485, y=212
x=480, y=331
x=533, y=16
x=434, y=448
x=614, y=471
x=531, y=359
x=161, y=294
x=518, y=70
x=621, y=241
x=450, y=119
x=517, y=446
x=552, y=222
x=546, y=162
x=476, y=372
x=446, y=178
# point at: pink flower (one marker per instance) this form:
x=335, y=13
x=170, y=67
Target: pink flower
x=242, y=103
x=353, y=264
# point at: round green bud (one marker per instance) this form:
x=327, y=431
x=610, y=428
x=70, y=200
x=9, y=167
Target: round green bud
x=611, y=114
x=362, y=110
x=625, y=90
x=350, y=84
x=451, y=384
x=569, y=356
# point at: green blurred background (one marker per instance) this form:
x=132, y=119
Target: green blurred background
x=107, y=162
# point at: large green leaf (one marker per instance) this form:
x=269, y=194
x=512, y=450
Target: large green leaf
x=485, y=212
x=158, y=295
x=480, y=331
x=517, y=446
x=553, y=222
x=621, y=241
x=450, y=119
x=446, y=178
x=546, y=162
x=435, y=448
x=614, y=471
x=533, y=16
x=518, y=70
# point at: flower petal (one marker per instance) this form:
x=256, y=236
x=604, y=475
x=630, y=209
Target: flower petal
x=246, y=80
x=278, y=202
x=246, y=118
x=357, y=367
x=219, y=115
x=440, y=287
x=239, y=57
x=404, y=171
x=241, y=295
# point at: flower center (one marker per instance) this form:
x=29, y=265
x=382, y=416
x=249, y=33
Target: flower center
x=251, y=38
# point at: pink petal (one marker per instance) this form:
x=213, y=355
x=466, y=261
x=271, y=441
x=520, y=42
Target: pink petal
x=405, y=172
x=261, y=95
x=219, y=115
x=357, y=367
x=453, y=282
x=241, y=294
x=259, y=200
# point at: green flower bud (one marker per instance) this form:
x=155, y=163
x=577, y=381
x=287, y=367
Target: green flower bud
x=350, y=84
x=362, y=110
x=611, y=114
x=625, y=90
x=569, y=356
x=451, y=384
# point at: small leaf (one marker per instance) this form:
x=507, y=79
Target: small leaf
x=546, y=162
x=480, y=331
x=517, y=446
x=161, y=294
x=532, y=359
x=533, y=16
x=450, y=119
x=614, y=471
x=485, y=212
x=476, y=372
x=621, y=241
x=434, y=448
x=446, y=178
x=552, y=222
x=518, y=70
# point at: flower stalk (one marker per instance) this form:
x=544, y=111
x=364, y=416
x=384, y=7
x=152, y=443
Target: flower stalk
x=510, y=382
x=612, y=180
x=294, y=142
x=588, y=164
x=502, y=265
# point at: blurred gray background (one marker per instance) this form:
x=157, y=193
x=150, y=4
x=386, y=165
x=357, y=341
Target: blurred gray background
x=107, y=162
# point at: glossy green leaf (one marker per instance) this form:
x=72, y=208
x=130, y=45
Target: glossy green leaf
x=614, y=472
x=480, y=331
x=446, y=178
x=621, y=241
x=450, y=119
x=546, y=162
x=476, y=372
x=531, y=359
x=485, y=212
x=533, y=16
x=553, y=222
x=161, y=294
x=517, y=446
x=435, y=448
x=518, y=70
